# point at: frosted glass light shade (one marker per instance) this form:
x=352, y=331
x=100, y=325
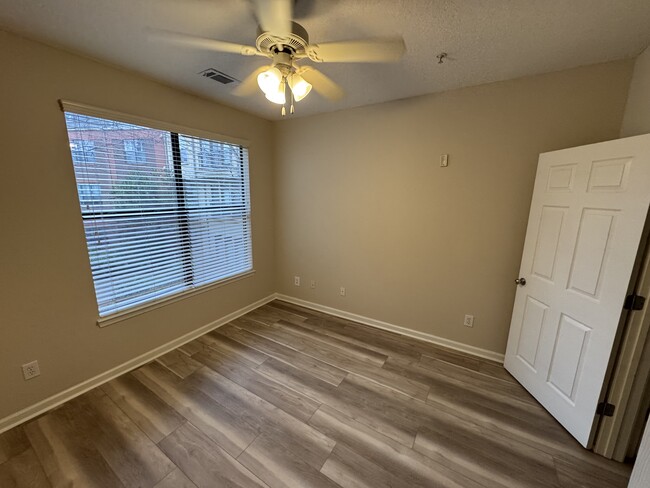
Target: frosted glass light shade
x=278, y=96
x=269, y=81
x=299, y=87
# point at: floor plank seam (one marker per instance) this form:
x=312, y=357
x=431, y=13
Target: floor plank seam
x=249, y=445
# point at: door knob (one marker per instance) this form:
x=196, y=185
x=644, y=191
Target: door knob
x=521, y=281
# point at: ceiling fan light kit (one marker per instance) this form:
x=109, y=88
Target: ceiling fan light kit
x=286, y=42
x=273, y=81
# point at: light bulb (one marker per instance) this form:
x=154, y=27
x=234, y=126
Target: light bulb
x=269, y=81
x=299, y=87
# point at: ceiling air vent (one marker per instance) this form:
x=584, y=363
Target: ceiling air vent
x=216, y=75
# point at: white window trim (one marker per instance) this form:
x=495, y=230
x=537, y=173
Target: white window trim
x=83, y=109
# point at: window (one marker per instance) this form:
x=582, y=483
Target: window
x=163, y=212
x=89, y=194
x=81, y=148
x=136, y=150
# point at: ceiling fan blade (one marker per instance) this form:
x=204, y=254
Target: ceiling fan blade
x=274, y=15
x=321, y=83
x=366, y=51
x=249, y=85
x=180, y=39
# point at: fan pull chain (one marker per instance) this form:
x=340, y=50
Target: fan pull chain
x=283, y=85
x=291, y=110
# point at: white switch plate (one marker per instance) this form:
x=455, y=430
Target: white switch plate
x=342, y=291
x=296, y=280
x=312, y=284
x=469, y=321
x=444, y=160
x=31, y=370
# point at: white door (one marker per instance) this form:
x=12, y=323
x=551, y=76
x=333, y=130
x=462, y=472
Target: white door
x=587, y=214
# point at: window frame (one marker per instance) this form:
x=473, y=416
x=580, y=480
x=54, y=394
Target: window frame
x=175, y=131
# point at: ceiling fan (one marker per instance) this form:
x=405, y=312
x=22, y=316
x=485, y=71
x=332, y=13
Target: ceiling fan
x=286, y=42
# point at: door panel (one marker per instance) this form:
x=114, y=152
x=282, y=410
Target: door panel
x=531, y=330
x=589, y=257
x=548, y=239
x=568, y=355
x=587, y=214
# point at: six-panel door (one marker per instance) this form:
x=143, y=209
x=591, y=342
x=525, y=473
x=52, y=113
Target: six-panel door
x=586, y=219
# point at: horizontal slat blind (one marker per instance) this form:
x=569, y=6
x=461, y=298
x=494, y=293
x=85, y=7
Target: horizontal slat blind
x=163, y=212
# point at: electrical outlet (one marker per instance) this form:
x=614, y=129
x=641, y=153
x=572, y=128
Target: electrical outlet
x=312, y=284
x=444, y=160
x=342, y=291
x=469, y=321
x=31, y=370
x=296, y=280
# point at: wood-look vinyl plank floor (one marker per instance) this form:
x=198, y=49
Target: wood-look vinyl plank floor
x=134, y=458
x=228, y=429
x=267, y=418
x=315, y=367
x=351, y=470
x=359, y=352
x=68, y=455
x=175, y=479
x=346, y=399
x=12, y=443
x=149, y=412
x=244, y=374
x=340, y=359
x=411, y=466
x=290, y=397
x=226, y=345
x=179, y=363
x=435, y=372
x=205, y=463
x=23, y=471
x=279, y=464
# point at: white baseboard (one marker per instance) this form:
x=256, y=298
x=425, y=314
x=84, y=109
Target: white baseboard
x=441, y=341
x=74, y=391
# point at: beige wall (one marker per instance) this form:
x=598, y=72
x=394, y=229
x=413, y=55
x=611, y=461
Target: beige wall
x=47, y=303
x=361, y=201
x=636, y=120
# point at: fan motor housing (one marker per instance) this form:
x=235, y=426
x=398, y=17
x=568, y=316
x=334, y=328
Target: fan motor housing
x=294, y=44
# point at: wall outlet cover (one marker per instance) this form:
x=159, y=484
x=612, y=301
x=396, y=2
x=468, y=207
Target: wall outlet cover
x=31, y=370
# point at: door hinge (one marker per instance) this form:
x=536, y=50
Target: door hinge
x=634, y=302
x=605, y=409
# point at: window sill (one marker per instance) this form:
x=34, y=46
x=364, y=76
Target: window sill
x=132, y=312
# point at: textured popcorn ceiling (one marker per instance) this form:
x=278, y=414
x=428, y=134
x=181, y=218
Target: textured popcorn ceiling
x=487, y=40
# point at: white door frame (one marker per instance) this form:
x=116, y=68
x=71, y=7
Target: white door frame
x=630, y=373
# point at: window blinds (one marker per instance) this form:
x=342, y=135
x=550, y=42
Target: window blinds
x=163, y=212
